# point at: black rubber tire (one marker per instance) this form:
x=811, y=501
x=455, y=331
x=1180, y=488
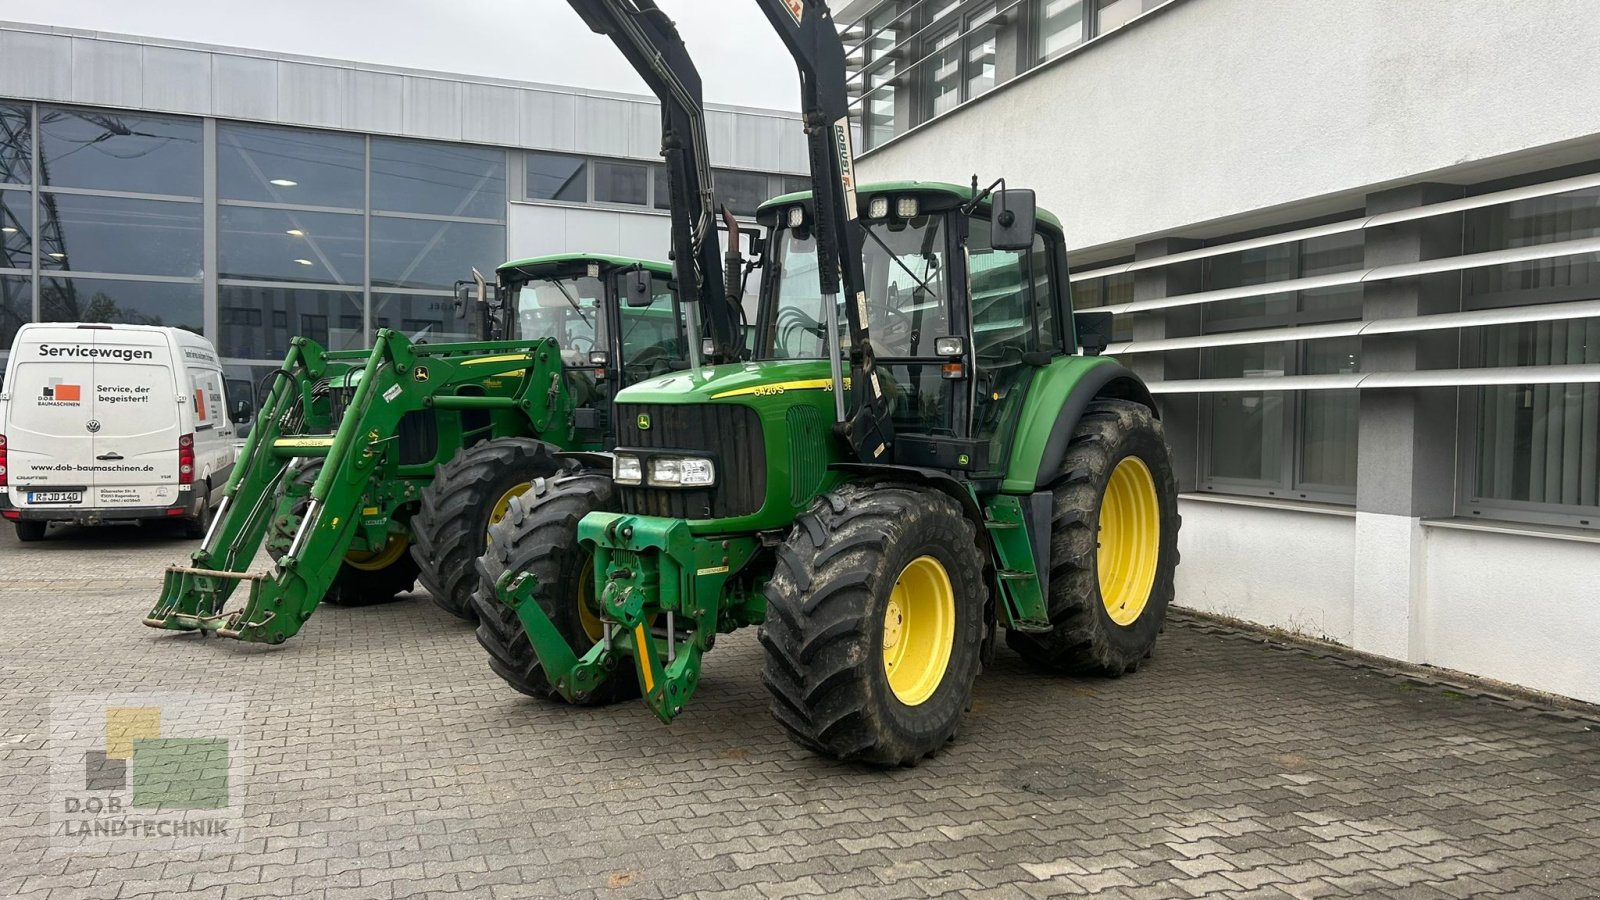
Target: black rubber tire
x=824, y=628
x=30, y=530
x=1083, y=639
x=539, y=535
x=449, y=533
x=352, y=586
x=196, y=526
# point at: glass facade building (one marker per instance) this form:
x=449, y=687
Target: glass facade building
x=238, y=207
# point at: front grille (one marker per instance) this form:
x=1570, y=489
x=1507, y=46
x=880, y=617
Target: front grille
x=729, y=434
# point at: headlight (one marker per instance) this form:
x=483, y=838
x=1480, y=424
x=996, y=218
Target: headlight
x=878, y=207
x=682, y=471
x=906, y=207
x=797, y=216
x=626, y=470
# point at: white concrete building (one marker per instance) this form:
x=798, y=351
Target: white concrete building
x=1355, y=247
x=254, y=196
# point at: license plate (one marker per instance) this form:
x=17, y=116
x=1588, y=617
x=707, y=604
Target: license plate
x=55, y=496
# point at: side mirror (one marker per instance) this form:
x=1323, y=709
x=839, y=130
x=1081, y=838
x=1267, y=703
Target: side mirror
x=242, y=411
x=1014, y=219
x=1094, y=330
x=637, y=289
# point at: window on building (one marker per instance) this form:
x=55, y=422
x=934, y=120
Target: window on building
x=660, y=190
x=1532, y=451
x=424, y=253
x=16, y=144
x=1115, y=14
x=1537, y=446
x=1060, y=26
x=290, y=245
x=331, y=318
x=1282, y=443
x=958, y=55
x=979, y=67
x=741, y=192
x=621, y=183
x=1107, y=290
x=291, y=165
x=120, y=302
x=16, y=307
x=878, y=74
x=16, y=229
x=941, y=76
x=420, y=317
x=434, y=179
x=557, y=176
x=118, y=235
x=118, y=151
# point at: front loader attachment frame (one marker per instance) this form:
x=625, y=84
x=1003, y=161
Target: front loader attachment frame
x=347, y=508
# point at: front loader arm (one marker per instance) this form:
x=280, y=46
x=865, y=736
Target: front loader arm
x=650, y=42
x=808, y=32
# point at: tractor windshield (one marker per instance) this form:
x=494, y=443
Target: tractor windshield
x=907, y=295
x=571, y=310
x=908, y=308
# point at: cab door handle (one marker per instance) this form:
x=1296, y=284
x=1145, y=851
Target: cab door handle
x=109, y=457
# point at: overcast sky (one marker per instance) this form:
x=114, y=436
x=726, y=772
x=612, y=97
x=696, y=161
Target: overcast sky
x=740, y=58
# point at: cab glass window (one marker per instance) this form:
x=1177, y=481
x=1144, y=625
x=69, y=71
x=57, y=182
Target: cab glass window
x=568, y=309
x=797, y=329
x=652, y=336
x=1012, y=307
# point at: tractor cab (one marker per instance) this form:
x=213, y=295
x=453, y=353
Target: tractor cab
x=617, y=322
x=958, y=320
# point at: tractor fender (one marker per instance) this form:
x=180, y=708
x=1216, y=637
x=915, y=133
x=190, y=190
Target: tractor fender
x=589, y=459
x=934, y=478
x=1104, y=382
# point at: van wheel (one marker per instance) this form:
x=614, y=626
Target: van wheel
x=30, y=531
x=200, y=523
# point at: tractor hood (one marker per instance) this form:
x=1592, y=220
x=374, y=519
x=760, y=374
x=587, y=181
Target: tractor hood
x=731, y=381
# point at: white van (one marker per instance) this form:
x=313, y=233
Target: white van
x=108, y=423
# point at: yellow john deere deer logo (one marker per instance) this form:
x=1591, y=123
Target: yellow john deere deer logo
x=644, y=422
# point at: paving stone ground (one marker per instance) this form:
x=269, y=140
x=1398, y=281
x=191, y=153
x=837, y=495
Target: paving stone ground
x=384, y=760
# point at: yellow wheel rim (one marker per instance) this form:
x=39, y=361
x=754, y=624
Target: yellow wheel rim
x=919, y=628
x=1130, y=541
x=587, y=617
x=503, y=505
x=376, y=561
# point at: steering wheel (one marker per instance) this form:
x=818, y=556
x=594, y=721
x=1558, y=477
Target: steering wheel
x=578, y=343
x=894, y=332
x=650, y=362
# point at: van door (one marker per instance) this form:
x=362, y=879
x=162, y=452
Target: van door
x=136, y=403
x=50, y=436
x=213, y=430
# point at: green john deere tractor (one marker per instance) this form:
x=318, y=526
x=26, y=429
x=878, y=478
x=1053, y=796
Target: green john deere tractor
x=980, y=468
x=369, y=468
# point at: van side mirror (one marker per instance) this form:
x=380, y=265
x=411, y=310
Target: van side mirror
x=1014, y=218
x=1094, y=328
x=241, y=413
x=637, y=288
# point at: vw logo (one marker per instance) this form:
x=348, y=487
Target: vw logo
x=93, y=425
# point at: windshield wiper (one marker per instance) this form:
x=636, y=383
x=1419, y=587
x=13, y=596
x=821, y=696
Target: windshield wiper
x=570, y=299
x=895, y=257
